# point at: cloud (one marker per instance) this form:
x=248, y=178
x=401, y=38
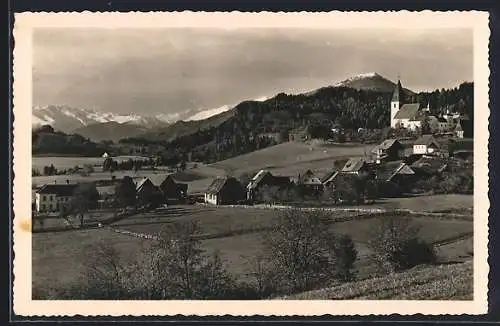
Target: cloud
x=171, y=70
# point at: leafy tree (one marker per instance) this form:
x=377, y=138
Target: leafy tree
x=300, y=249
x=125, y=192
x=84, y=200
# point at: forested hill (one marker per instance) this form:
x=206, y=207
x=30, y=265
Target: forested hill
x=244, y=128
x=45, y=140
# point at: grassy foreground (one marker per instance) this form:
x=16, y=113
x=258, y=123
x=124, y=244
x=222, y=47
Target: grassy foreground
x=443, y=282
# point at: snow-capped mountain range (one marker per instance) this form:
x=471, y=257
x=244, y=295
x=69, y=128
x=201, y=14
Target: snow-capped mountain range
x=69, y=119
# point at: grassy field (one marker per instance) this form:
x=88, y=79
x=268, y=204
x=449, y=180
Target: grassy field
x=444, y=282
x=284, y=157
x=235, y=232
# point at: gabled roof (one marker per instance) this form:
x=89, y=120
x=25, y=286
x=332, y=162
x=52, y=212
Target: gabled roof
x=329, y=176
x=309, y=178
x=354, y=165
x=57, y=189
x=408, y=111
x=425, y=140
x=441, y=119
x=142, y=183
x=388, y=170
x=386, y=144
x=219, y=183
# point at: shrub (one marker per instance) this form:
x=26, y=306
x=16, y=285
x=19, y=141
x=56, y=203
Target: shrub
x=345, y=256
x=396, y=246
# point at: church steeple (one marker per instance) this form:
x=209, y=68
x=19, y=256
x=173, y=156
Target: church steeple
x=398, y=90
x=397, y=99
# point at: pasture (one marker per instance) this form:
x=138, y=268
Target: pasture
x=236, y=233
x=66, y=162
x=286, y=156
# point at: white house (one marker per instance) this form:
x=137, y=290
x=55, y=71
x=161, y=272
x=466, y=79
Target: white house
x=426, y=144
x=54, y=197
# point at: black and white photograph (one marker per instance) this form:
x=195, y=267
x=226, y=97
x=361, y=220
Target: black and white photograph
x=249, y=163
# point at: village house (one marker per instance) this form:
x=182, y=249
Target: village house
x=299, y=134
x=262, y=179
x=225, y=191
x=328, y=179
x=394, y=178
x=388, y=150
x=358, y=166
x=54, y=197
x=464, y=128
x=425, y=144
x=429, y=165
x=309, y=183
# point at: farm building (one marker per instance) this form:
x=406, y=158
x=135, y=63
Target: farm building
x=262, y=179
x=148, y=193
x=388, y=150
x=54, y=197
x=173, y=190
x=425, y=144
x=225, y=191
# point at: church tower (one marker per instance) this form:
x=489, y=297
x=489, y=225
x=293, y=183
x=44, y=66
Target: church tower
x=397, y=98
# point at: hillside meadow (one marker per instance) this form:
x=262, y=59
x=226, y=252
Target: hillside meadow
x=236, y=233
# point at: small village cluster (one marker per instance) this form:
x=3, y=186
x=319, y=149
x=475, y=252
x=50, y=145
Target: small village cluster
x=393, y=161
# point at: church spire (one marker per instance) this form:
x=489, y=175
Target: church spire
x=396, y=96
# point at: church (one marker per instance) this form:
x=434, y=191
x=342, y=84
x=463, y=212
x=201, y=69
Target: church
x=405, y=115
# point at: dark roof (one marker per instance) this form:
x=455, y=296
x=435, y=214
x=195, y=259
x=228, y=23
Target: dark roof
x=353, y=165
x=58, y=189
x=388, y=170
x=386, y=144
x=430, y=164
x=329, y=176
x=425, y=140
x=219, y=183
x=441, y=119
x=408, y=111
x=397, y=92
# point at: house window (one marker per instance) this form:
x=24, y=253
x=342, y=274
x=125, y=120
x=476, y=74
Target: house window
x=51, y=198
x=44, y=198
x=50, y=207
x=43, y=207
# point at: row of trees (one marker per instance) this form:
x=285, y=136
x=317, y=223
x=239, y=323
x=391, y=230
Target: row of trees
x=299, y=253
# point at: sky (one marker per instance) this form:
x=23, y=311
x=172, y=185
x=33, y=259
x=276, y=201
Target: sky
x=169, y=70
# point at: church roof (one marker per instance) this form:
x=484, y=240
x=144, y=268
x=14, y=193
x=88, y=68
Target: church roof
x=408, y=111
x=397, y=92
